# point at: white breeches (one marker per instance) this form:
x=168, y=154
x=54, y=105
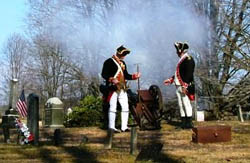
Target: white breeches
x=122, y=97
x=184, y=103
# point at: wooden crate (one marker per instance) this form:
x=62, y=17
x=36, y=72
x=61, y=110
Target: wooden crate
x=211, y=134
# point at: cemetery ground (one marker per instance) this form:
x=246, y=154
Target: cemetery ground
x=86, y=145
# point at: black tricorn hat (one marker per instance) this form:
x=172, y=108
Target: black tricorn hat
x=181, y=47
x=122, y=51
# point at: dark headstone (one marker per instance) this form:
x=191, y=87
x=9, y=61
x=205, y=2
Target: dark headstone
x=8, y=121
x=33, y=116
x=6, y=134
x=57, y=137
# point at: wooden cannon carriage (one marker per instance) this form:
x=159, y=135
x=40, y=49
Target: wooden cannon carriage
x=147, y=107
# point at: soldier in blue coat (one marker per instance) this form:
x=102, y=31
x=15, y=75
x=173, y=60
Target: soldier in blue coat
x=115, y=74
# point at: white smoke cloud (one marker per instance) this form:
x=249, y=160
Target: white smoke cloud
x=149, y=28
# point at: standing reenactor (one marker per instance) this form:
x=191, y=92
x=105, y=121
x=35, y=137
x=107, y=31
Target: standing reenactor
x=184, y=82
x=115, y=73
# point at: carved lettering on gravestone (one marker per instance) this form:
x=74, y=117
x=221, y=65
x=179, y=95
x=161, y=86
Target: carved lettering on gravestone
x=47, y=117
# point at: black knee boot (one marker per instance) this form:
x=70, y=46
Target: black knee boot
x=189, y=123
x=183, y=122
x=181, y=125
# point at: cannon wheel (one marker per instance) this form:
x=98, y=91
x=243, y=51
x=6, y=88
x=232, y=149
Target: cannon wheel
x=152, y=112
x=155, y=92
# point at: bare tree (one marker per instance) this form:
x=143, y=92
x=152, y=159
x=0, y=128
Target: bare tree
x=13, y=64
x=15, y=56
x=225, y=74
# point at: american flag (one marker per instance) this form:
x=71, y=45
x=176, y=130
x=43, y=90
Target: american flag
x=21, y=105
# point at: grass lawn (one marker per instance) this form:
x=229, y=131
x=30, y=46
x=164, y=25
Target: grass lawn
x=85, y=145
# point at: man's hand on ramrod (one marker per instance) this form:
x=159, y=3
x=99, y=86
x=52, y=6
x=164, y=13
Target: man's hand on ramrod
x=136, y=75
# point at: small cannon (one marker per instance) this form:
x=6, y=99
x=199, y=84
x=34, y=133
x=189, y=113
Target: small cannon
x=146, y=107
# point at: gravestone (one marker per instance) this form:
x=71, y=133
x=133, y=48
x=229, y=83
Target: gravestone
x=200, y=116
x=57, y=137
x=54, y=117
x=33, y=116
x=13, y=96
x=54, y=113
x=8, y=120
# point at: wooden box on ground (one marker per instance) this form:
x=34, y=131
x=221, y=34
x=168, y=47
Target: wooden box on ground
x=211, y=134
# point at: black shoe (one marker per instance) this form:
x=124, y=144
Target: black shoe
x=115, y=130
x=178, y=128
x=126, y=130
x=183, y=122
x=189, y=124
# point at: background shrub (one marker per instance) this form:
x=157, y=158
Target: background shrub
x=88, y=113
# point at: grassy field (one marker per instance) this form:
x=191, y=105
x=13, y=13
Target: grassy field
x=85, y=145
